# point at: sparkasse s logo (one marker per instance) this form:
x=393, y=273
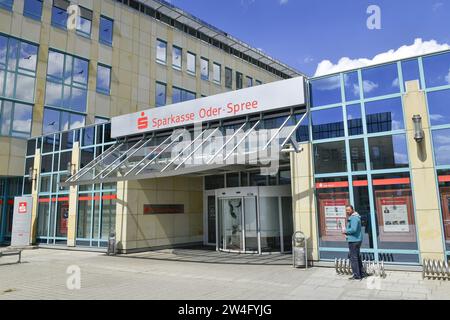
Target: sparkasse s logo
x=142, y=122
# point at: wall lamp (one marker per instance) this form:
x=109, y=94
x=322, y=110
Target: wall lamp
x=71, y=168
x=419, y=134
x=32, y=174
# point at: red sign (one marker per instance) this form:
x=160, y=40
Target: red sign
x=22, y=207
x=329, y=185
x=142, y=122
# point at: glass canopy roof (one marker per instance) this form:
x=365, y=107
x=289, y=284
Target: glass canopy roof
x=254, y=143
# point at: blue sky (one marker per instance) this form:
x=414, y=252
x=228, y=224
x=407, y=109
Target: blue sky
x=302, y=33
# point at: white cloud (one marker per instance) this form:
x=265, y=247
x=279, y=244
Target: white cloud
x=369, y=86
x=447, y=77
x=419, y=47
x=437, y=6
x=436, y=117
x=283, y=2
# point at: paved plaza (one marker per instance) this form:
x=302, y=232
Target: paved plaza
x=194, y=274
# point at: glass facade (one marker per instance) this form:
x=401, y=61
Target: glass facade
x=96, y=203
x=356, y=127
x=364, y=161
x=66, y=92
x=18, y=63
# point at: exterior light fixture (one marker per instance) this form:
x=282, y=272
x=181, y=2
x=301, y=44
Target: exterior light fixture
x=71, y=168
x=32, y=174
x=419, y=135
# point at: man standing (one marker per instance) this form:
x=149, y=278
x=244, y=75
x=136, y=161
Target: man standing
x=354, y=239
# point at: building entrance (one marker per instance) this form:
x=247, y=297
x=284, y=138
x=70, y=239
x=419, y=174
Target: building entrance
x=254, y=219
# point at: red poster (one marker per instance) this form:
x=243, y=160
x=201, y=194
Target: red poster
x=395, y=216
x=332, y=215
x=445, y=201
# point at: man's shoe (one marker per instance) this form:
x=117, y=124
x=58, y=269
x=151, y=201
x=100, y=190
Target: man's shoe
x=355, y=278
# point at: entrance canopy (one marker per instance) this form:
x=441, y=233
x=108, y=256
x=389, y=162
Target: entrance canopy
x=236, y=130
x=253, y=143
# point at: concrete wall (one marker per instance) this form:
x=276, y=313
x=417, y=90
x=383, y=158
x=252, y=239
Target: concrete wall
x=138, y=231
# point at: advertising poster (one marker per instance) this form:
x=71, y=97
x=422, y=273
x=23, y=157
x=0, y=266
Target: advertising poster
x=335, y=217
x=395, y=215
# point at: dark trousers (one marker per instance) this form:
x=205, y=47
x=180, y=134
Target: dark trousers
x=355, y=259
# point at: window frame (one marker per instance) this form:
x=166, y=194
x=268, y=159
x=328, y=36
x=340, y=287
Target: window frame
x=102, y=41
x=100, y=90
x=163, y=62
x=29, y=13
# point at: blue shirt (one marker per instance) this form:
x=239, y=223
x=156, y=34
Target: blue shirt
x=354, y=231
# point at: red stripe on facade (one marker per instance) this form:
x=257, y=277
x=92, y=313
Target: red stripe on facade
x=386, y=182
x=360, y=183
x=90, y=198
x=10, y=201
x=44, y=200
x=444, y=178
x=328, y=185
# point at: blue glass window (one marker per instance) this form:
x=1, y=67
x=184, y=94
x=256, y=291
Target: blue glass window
x=161, y=51
x=59, y=17
x=410, y=71
x=437, y=70
x=106, y=30
x=439, y=107
x=15, y=119
x=33, y=9
x=160, y=99
x=204, y=68
x=6, y=4
x=327, y=123
x=384, y=115
x=441, y=142
x=302, y=134
x=67, y=79
x=326, y=91
x=354, y=120
x=56, y=120
x=380, y=81
x=177, y=57
x=84, y=26
x=181, y=95
x=388, y=152
x=176, y=95
x=103, y=79
x=357, y=154
x=351, y=86
x=330, y=157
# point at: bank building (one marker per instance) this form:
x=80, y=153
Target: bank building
x=141, y=120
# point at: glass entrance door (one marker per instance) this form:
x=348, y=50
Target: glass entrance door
x=253, y=219
x=230, y=224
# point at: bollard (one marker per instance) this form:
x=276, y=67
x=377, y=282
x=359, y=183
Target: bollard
x=111, y=244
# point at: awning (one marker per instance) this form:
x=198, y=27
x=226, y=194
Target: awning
x=251, y=144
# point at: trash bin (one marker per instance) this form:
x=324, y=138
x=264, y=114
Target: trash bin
x=299, y=250
x=111, y=244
